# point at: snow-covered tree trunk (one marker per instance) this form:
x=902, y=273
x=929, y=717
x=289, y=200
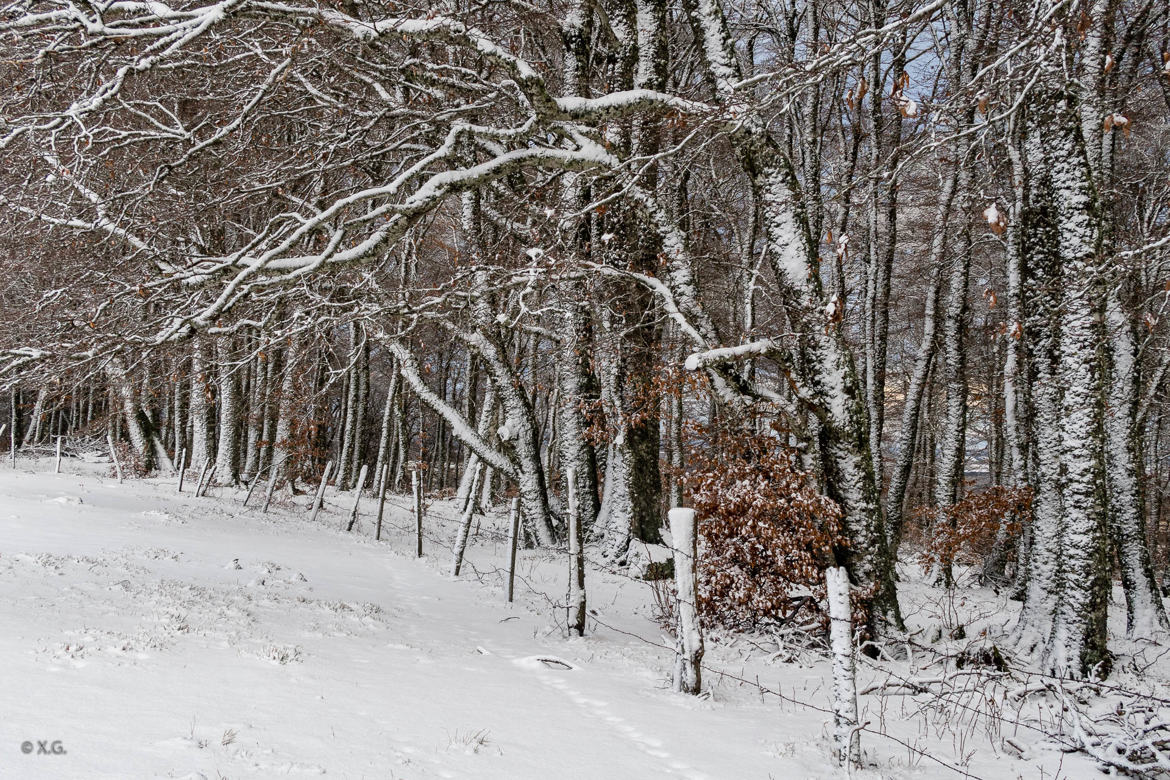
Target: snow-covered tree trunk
x=143, y=435
x=385, y=437
x=927, y=346
x=633, y=511
x=952, y=450
x=227, y=458
x=287, y=405
x=32, y=434
x=200, y=417
x=1040, y=579
x=361, y=398
x=883, y=232
x=1068, y=579
x=473, y=475
x=1015, y=391
x=349, y=416
x=1124, y=499
x=823, y=366
x=253, y=414
x=401, y=441
x=577, y=454
x=519, y=432
x=1145, y=613
x=677, y=460
x=179, y=405
x=460, y=547
x=1015, y=372
x=613, y=525
x=270, y=405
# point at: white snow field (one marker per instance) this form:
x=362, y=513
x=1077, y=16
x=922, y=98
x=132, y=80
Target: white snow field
x=148, y=634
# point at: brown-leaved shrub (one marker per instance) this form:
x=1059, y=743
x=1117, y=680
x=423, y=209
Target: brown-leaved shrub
x=766, y=534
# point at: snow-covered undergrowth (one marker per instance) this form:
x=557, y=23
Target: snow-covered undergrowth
x=156, y=635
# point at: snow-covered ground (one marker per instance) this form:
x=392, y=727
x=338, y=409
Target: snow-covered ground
x=155, y=635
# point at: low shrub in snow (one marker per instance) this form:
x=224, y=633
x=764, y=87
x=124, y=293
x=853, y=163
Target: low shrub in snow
x=766, y=534
x=983, y=524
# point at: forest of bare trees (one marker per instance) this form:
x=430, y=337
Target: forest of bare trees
x=920, y=246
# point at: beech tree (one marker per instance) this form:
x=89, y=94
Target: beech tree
x=923, y=241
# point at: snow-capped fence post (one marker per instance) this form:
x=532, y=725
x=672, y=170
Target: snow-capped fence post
x=12, y=430
x=357, y=497
x=272, y=472
x=57, y=465
x=513, y=541
x=687, y=676
x=113, y=456
x=576, y=605
x=321, y=491
x=205, y=477
x=182, y=468
x=416, y=490
x=846, y=741
x=252, y=485
x=383, y=478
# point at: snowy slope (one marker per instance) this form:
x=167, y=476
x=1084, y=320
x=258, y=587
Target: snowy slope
x=157, y=635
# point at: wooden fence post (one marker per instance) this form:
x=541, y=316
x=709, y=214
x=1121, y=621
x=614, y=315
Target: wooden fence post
x=357, y=497
x=687, y=674
x=272, y=471
x=416, y=489
x=576, y=616
x=513, y=541
x=321, y=491
x=846, y=740
x=252, y=485
x=12, y=431
x=205, y=477
x=382, y=480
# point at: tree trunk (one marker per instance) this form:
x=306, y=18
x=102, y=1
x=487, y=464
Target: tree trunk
x=227, y=458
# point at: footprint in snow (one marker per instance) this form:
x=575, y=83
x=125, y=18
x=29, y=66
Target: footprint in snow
x=599, y=710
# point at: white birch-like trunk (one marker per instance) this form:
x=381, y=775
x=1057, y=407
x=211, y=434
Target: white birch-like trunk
x=460, y=546
x=472, y=477
x=927, y=346
x=32, y=434
x=385, y=452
